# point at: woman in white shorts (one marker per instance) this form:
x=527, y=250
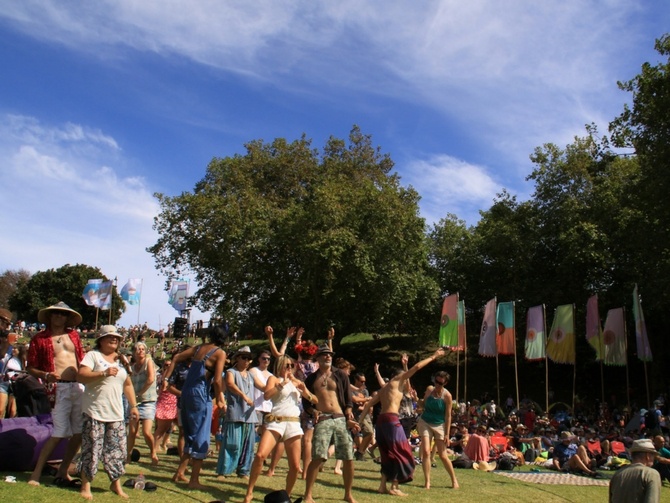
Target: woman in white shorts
x=282, y=423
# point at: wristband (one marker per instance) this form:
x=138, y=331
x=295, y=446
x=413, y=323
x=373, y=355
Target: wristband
x=46, y=376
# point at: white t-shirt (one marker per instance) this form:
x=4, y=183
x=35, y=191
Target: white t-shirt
x=260, y=403
x=103, y=398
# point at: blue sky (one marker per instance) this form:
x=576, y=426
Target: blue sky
x=104, y=103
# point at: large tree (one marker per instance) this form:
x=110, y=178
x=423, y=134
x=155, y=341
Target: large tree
x=645, y=127
x=45, y=288
x=9, y=281
x=286, y=234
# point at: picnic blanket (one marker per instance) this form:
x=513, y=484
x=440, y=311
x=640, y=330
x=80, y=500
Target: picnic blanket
x=553, y=478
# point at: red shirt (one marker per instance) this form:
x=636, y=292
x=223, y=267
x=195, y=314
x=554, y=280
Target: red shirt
x=41, y=350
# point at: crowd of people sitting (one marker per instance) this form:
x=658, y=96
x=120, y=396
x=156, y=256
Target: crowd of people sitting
x=301, y=402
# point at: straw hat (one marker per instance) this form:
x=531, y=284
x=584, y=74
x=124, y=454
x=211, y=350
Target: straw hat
x=484, y=466
x=73, y=318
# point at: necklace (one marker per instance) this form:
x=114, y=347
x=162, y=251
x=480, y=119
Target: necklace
x=325, y=380
x=59, y=338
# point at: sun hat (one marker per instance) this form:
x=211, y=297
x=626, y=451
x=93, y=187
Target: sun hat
x=484, y=466
x=244, y=350
x=73, y=318
x=106, y=330
x=643, y=445
x=5, y=315
x=324, y=349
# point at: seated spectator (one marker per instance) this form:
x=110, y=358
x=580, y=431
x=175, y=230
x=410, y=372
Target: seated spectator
x=570, y=457
x=478, y=447
x=662, y=463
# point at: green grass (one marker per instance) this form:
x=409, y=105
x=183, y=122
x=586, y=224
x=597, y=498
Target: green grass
x=475, y=486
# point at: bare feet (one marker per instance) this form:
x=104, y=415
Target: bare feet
x=198, y=486
x=179, y=477
x=117, y=489
x=382, y=490
x=248, y=498
x=455, y=486
x=269, y=472
x=349, y=498
x=221, y=478
x=337, y=471
x=243, y=477
x=426, y=485
x=86, y=495
x=154, y=460
x=397, y=492
x=33, y=482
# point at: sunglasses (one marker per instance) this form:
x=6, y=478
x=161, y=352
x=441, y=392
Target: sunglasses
x=245, y=357
x=290, y=365
x=264, y=358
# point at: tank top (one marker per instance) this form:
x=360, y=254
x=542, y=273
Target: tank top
x=434, y=409
x=139, y=379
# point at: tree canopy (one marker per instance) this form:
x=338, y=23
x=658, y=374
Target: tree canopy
x=289, y=235
x=46, y=288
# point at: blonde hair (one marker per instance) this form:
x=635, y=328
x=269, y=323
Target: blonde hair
x=280, y=364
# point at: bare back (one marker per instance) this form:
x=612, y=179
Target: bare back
x=391, y=395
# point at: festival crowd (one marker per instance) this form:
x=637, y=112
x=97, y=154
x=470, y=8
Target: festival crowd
x=249, y=410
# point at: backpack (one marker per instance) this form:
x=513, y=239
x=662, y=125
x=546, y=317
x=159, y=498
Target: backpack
x=507, y=461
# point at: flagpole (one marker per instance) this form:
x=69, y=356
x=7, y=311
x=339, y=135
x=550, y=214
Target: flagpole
x=111, y=301
x=546, y=360
x=625, y=340
x=465, y=358
x=97, y=311
x=574, y=364
x=139, y=302
x=497, y=356
x=516, y=367
x=458, y=370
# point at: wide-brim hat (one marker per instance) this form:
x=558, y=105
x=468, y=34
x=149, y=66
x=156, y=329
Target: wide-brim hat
x=244, y=350
x=484, y=466
x=106, y=330
x=324, y=349
x=5, y=315
x=280, y=496
x=643, y=445
x=73, y=318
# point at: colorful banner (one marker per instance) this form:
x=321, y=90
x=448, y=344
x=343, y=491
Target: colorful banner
x=594, y=334
x=449, y=322
x=487, y=336
x=132, y=291
x=105, y=296
x=643, y=348
x=462, y=339
x=506, y=336
x=178, y=295
x=561, y=340
x=90, y=293
x=535, y=337
x=614, y=338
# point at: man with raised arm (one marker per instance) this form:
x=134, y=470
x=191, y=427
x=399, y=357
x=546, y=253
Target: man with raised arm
x=397, y=460
x=333, y=419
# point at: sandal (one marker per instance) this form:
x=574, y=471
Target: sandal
x=67, y=483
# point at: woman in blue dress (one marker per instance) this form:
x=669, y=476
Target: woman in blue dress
x=207, y=362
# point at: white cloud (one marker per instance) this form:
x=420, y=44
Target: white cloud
x=449, y=185
x=516, y=74
x=60, y=206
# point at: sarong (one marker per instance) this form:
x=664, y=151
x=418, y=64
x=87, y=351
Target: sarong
x=397, y=460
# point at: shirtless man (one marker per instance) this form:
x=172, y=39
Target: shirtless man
x=397, y=460
x=333, y=419
x=54, y=357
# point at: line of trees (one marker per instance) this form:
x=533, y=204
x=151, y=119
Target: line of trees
x=289, y=234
